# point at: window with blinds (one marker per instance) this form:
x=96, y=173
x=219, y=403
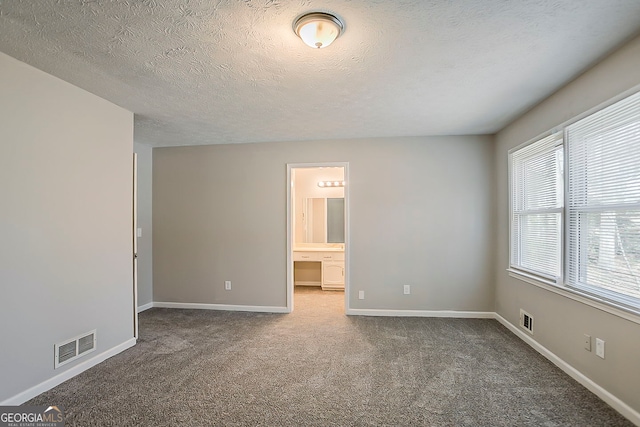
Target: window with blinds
x=593, y=205
x=536, y=208
x=603, y=204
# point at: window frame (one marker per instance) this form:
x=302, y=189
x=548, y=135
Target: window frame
x=616, y=303
x=558, y=140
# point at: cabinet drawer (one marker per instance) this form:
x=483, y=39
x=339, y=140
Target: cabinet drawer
x=306, y=256
x=332, y=256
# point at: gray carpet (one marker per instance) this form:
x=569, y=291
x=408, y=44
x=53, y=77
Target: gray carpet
x=318, y=367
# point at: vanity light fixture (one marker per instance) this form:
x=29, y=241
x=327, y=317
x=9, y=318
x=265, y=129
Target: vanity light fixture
x=324, y=184
x=318, y=29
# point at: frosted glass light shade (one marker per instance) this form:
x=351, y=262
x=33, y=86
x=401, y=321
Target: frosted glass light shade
x=318, y=30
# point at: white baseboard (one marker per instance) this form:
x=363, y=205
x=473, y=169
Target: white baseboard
x=421, y=313
x=32, y=392
x=617, y=404
x=145, y=307
x=308, y=283
x=228, y=307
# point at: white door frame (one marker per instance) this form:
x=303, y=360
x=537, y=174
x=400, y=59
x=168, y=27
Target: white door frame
x=135, y=245
x=347, y=233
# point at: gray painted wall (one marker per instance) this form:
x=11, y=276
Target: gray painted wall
x=65, y=222
x=145, y=253
x=561, y=322
x=421, y=214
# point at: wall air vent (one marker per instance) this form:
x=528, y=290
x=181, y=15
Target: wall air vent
x=86, y=343
x=66, y=352
x=74, y=348
x=526, y=321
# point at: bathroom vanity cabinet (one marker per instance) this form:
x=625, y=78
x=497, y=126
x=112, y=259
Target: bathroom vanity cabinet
x=319, y=267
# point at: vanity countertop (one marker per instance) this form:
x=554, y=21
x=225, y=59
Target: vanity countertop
x=317, y=249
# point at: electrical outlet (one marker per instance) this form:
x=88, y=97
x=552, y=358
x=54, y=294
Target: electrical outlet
x=227, y=285
x=407, y=289
x=587, y=342
x=360, y=294
x=599, y=348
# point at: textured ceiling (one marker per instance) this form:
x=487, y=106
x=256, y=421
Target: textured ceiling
x=212, y=72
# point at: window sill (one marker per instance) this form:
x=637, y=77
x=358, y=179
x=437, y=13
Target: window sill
x=590, y=300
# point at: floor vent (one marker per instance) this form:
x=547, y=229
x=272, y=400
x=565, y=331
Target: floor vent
x=69, y=350
x=526, y=321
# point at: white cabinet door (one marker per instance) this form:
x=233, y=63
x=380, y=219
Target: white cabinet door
x=332, y=275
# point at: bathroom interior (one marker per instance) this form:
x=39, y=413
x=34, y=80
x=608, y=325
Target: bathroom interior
x=318, y=228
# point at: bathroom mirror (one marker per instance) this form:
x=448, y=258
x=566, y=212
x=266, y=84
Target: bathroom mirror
x=335, y=220
x=324, y=220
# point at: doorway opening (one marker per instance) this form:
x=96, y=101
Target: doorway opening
x=318, y=232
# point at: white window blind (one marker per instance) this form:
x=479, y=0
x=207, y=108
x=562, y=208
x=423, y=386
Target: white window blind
x=536, y=207
x=603, y=208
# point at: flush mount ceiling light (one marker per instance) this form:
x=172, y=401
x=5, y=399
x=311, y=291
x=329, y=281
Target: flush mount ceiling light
x=318, y=29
